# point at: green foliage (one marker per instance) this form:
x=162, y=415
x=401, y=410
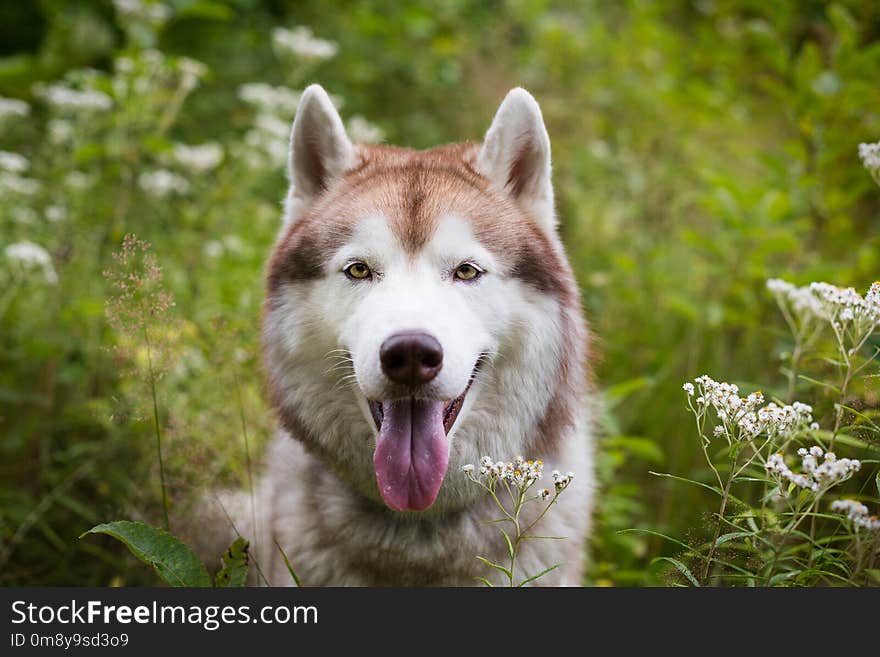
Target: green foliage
x=235, y=564
x=175, y=563
x=699, y=149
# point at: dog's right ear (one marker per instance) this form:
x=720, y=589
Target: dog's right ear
x=320, y=150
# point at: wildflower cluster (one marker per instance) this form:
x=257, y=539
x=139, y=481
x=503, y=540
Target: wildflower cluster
x=519, y=472
x=160, y=183
x=842, y=306
x=517, y=477
x=857, y=514
x=301, y=43
x=64, y=98
x=743, y=418
x=845, y=305
x=870, y=156
x=12, y=107
x=816, y=476
x=198, y=158
x=800, y=299
x=275, y=106
x=32, y=256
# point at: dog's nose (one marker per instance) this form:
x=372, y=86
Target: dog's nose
x=411, y=358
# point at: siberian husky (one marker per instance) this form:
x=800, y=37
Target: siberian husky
x=420, y=314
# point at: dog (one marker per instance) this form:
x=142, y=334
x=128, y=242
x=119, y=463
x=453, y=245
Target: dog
x=420, y=313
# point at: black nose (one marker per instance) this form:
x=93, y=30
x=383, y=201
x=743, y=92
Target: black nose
x=411, y=358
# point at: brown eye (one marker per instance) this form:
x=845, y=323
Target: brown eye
x=467, y=272
x=358, y=271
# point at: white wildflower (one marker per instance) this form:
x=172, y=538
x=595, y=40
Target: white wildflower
x=14, y=162
x=544, y=493
x=199, y=158
x=870, y=156
x=63, y=97
x=191, y=72
x=15, y=184
x=56, y=213
x=857, y=513
x=276, y=100
x=160, y=183
x=468, y=468
x=801, y=301
x=561, y=481
x=301, y=42
x=13, y=107
x=60, y=131
x=845, y=305
x=745, y=417
x=269, y=137
x=213, y=249
x=815, y=476
x=32, y=256
x=688, y=387
x=79, y=180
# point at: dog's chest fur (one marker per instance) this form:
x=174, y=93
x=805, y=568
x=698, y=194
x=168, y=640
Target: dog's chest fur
x=334, y=537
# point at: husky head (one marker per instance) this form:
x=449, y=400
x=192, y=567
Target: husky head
x=420, y=312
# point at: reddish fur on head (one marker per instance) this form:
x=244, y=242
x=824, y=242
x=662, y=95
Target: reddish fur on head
x=414, y=189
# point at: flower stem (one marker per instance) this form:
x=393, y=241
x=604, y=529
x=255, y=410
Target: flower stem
x=157, y=427
x=724, y=497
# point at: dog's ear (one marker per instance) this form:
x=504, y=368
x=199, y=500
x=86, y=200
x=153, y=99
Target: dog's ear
x=320, y=150
x=516, y=155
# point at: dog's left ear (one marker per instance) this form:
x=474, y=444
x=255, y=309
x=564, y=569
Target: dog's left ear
x=320, y=150
x=516, y=155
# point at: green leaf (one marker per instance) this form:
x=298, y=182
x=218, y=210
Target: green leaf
x=287, y=564
x=541, y=574
x=202, y=9
x=724, y=538
x=681, y=567
x=485, y=581
x=175, y=562
x=714, y=489
x=621, y=391
x=494, y=565
x=653, y=533
x=781, y=577
x=509, y=544
x=235, y=564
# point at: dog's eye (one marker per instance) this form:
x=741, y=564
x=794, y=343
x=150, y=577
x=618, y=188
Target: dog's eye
x=467, y=272
x=358, y=271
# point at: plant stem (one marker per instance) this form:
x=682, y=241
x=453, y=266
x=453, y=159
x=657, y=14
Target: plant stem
x=247, y=456
x=792, y=372
x=797, y=520
x=157, y=427
x=724, y=497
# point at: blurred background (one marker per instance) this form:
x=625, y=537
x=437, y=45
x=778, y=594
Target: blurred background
x=700, y=147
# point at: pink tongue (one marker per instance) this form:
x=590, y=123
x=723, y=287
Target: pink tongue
x=411, y=454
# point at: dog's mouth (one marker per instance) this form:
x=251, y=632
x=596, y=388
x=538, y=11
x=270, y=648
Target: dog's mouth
x=451, y=409
x=412, y=454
